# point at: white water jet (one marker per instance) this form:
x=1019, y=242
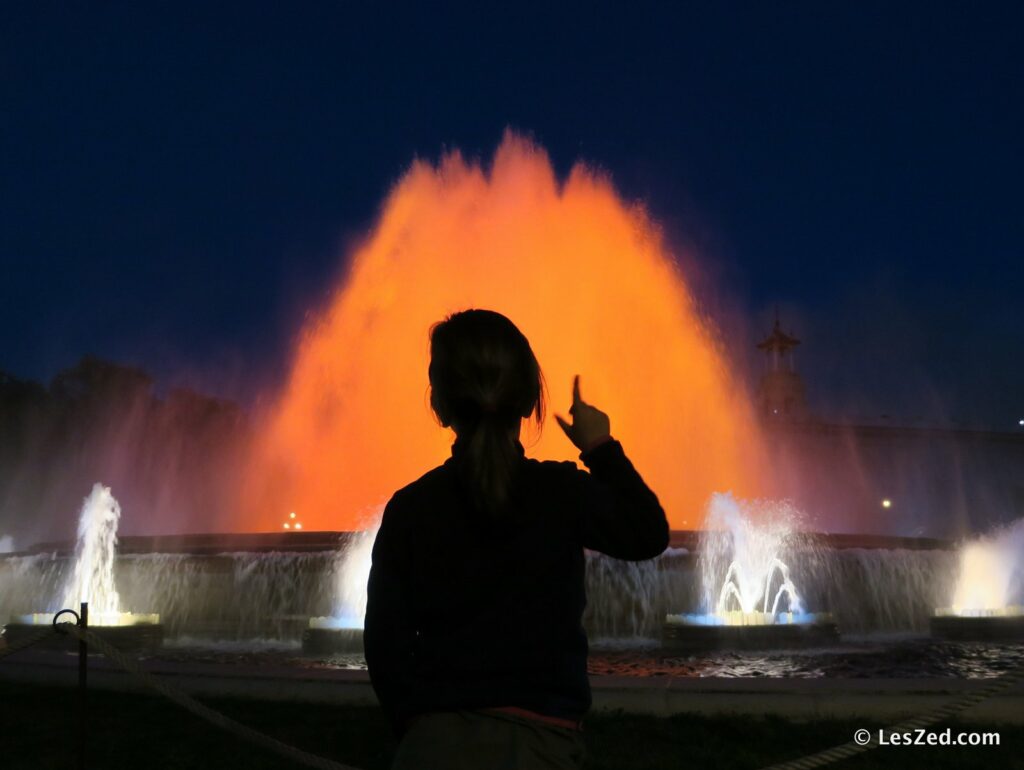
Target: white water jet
x=92, y=579
x=991, y=575
x=351, y=573
x=744, y=578
x=92, y=572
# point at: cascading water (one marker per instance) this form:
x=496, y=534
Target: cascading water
x=245, y=595
x=622, y=597
x=259, y=596
x=869, y=590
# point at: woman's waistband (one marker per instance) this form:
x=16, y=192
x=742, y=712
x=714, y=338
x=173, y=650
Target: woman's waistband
x=566, y=724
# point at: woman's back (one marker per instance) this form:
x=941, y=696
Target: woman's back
x=491, y=609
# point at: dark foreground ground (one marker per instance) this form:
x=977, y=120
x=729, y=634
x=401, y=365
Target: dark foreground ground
x=37, y=731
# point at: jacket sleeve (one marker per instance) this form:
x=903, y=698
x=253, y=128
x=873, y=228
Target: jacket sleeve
x=388, y=633
x=620, y=514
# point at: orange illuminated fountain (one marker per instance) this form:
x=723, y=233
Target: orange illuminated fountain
x=589, y=280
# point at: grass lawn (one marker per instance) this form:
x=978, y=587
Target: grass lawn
x=37, y=731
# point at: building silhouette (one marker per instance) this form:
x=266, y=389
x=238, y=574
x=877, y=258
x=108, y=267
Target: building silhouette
x=781, y=393
x=880, y=477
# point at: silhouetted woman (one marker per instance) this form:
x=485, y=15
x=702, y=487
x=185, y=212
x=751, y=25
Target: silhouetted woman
x=473, y=636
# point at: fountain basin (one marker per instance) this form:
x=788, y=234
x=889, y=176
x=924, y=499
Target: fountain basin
x=95, y=619
x=327, y=635
x=748, y=631
x=1005, y=624
x=127, y=631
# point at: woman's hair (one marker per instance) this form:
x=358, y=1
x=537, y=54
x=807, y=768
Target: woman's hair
x=484, y=379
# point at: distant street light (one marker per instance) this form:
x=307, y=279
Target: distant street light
x=887, y=503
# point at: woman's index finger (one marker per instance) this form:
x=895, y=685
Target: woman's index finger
x=576, y=390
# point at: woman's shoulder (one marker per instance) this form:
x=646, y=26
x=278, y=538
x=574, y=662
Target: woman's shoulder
x=553, y=467
x=553, y=473
x=433, y=478
x=430, y=486
x=438, y=488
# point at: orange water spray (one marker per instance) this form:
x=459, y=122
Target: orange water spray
x=589, y=281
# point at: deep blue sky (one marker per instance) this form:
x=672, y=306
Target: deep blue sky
x=178, y=184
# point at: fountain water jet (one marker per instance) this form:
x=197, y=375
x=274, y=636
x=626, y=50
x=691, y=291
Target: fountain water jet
x=751, y=545
x=989, y=591
x=342, y=630
x=746, y=583
x=92, y=578
x=510, y=238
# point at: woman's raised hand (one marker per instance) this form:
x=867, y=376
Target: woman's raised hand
x=589, y=424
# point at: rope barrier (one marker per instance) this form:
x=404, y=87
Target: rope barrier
x=28, y=641
x=212, y=716
x=847, y=750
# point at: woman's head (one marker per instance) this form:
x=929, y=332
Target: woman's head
x=484, y=379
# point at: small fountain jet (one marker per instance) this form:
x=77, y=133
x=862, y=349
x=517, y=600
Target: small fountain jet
x=92, y=579
x=741, y=565
x=987, y=599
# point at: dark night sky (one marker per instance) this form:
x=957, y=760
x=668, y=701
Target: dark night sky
x=178, y=186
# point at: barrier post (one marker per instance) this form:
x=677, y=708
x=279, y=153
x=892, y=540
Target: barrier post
x=83, y=650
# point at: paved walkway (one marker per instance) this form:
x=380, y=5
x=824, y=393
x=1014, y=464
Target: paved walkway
x=798, y=699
